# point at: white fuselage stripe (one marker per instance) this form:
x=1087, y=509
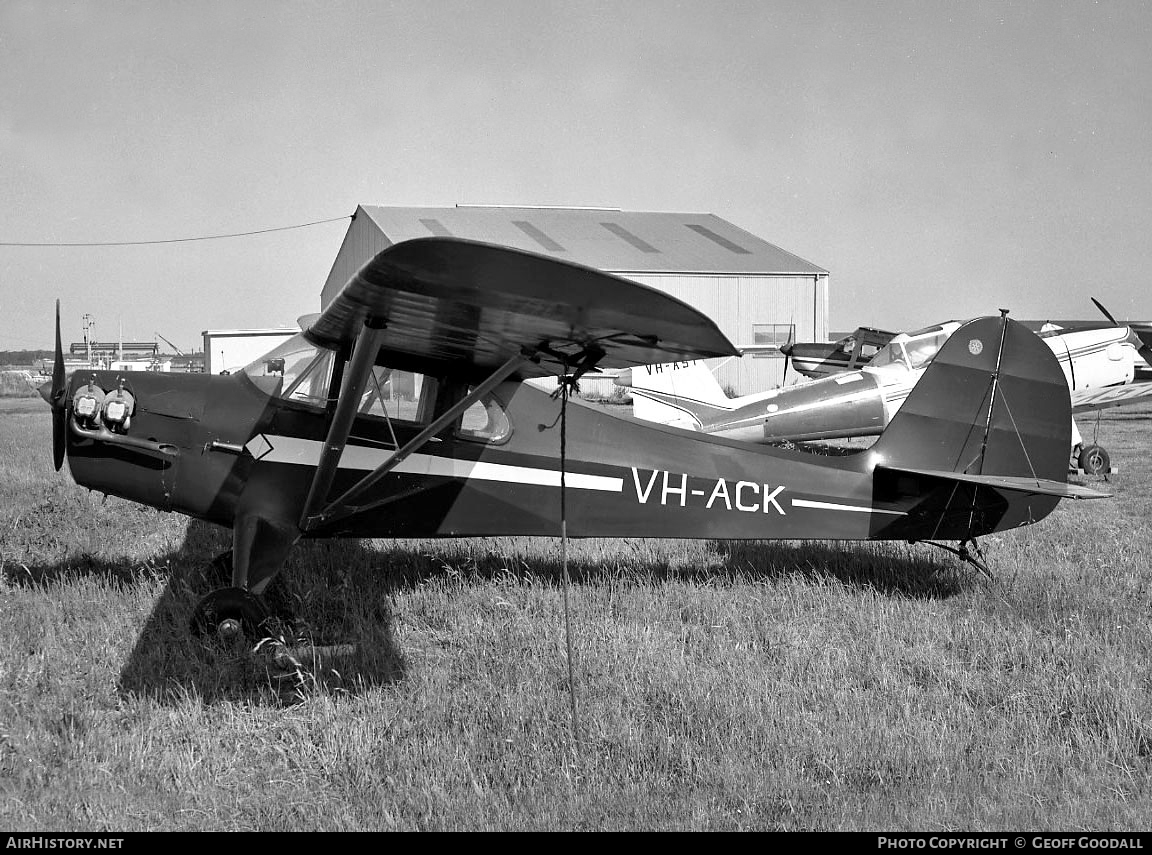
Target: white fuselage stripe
x=832, y=506
x=306, y=452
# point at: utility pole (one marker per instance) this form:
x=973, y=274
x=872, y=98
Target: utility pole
x=89, y=322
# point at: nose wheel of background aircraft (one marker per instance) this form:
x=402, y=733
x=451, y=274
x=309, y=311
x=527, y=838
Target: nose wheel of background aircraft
x=230, y=614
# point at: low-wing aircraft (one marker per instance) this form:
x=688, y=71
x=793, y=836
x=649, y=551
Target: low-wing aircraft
x=337, y=444
x=1097, y=364
x=820, y=359
x=816, y=359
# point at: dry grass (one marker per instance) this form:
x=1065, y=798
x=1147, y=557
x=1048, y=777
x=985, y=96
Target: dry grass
x=719, y=685
x=19, y=384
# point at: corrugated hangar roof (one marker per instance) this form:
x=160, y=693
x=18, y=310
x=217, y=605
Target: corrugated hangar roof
x=604, y=238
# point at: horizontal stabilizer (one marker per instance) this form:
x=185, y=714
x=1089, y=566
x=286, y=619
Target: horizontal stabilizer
x=1009, y=483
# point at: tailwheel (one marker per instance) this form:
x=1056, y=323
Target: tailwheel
x=231, y=615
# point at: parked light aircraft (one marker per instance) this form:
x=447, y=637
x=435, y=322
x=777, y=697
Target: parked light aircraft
x=331, y=448
x=820, y=359
x=1096, y=363
x=816, y=359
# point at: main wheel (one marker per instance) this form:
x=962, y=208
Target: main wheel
x=231, y=614
x=1094, y=460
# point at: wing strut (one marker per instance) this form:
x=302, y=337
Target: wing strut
x=343, y=505
x=363, y=358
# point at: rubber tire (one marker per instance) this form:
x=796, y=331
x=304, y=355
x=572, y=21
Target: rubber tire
x=229, y=603
x=1094, y=460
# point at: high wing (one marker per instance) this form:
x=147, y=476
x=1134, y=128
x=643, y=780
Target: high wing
x=1087, y=400
x=485, y=313
x=460, y=306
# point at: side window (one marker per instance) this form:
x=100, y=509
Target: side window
x=397, y=395
x=485, y=421
x=774, y=335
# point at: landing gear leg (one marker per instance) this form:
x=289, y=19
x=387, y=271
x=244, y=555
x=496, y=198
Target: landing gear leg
x=259, y=548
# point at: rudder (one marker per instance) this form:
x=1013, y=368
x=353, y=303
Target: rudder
x=685, y=394
x=994, y=401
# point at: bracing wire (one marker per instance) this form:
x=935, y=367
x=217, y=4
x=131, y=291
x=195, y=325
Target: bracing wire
x=176, y=240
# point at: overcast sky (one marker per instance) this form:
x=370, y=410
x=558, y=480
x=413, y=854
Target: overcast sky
x=941, y=160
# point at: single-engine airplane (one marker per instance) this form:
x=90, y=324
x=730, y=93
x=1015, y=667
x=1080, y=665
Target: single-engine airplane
x=1097, y=364
x=816, y=359
x=820, y=359
x=329, y=448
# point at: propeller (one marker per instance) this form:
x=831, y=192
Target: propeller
x=1106, y=313
x=1142, y=331
x=786, y=349
x=56, y=399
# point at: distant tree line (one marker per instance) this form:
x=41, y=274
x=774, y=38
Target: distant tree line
x=22, y=358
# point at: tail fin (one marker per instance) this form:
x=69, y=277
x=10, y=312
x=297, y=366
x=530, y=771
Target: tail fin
x=983, y=441
x=684, y=394
x=993, y=401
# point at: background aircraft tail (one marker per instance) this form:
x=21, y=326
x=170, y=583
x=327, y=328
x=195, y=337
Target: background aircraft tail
x=685, y=394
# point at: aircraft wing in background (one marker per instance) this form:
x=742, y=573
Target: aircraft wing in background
x=1087, y=400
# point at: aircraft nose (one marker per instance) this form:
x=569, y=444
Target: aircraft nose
x=45, y=391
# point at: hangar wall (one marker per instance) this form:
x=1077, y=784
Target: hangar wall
x=755, y=308
x=750, y=310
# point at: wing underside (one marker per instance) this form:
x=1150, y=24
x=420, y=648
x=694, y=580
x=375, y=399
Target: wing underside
x=463, y=306
x=1087, y=400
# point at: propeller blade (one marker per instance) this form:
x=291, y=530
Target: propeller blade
x=59, y=389
x=786, y=349
x=1107, y=314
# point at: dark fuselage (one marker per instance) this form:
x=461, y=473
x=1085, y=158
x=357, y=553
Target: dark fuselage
x=231, y=448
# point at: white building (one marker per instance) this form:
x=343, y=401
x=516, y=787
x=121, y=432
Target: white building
x=231, y=350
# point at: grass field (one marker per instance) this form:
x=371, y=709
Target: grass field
x=718, y=685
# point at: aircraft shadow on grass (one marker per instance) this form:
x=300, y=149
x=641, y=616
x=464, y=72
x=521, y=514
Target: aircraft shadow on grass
x=338, y=591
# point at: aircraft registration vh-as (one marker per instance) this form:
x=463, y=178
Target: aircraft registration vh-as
x=330, y=448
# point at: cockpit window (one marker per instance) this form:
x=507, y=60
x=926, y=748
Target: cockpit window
x=305, y=371
x=921, y=350
x=915, y=349
x=891, y=354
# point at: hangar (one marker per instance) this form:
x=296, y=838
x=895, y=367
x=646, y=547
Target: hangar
x=757, y=293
